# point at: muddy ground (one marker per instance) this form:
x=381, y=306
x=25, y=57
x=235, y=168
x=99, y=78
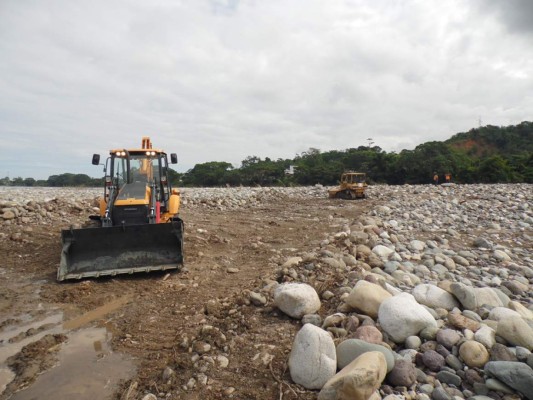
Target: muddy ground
x=191, y=334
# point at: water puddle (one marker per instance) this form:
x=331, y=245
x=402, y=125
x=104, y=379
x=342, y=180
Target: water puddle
x=87, y=369
x=11, y=332
x=9, y=349
x=6, y=376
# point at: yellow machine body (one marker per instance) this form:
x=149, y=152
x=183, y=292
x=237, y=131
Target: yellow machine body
x=352, y=186
x=137, y=229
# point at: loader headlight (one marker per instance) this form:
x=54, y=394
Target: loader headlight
x=150, y=153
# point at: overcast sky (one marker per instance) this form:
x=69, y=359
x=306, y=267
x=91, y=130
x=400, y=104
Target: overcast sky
x=220, y=80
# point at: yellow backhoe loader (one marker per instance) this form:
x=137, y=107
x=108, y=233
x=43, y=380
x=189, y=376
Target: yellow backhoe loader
x=352, y=186
x=137, y=229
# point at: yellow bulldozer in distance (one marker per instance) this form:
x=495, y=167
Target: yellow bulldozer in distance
x=352, y=186
x=137, y=229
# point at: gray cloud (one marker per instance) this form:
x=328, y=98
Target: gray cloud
x=515, y=15
x=223, y=80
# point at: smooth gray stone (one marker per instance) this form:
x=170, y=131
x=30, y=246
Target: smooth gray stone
x=454, y=362
x=449, y=378
x=440, y=394
x=516, y=375
x=480, y=388
x=350, y=349
x=498, y=386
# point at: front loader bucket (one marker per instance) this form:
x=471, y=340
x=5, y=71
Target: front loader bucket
x=94, y=252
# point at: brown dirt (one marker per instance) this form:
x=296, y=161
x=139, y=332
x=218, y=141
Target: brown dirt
x=480, y=146
x=167, y=319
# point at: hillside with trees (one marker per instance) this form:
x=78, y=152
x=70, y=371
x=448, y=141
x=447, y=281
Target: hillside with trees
x=488, y=154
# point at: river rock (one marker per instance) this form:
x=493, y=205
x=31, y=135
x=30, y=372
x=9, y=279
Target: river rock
x=517, y=375
x=433, y=360
x=369, y=334
x=499, y=313
x=448, y=337
x=382, y=252
x=313, y=359
x=486, y=336
x=358, y=380
x=501, y=255
x=367, y=297
x=449, y=378
x=474, y=354
x=472, y=298
x=296, y=299
x=434, y=297
x=350, y=349
x=516, y=331
x=500, y=352
x=460, y=321
x=483, y=243
x=403, y=374
x=401, y=316
x=524, y=312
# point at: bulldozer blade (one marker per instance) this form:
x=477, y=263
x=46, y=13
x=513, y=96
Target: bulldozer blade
x=95, y=252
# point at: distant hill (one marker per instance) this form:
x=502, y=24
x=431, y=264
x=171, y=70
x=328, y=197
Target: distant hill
x=492, y=140
x=489, y=154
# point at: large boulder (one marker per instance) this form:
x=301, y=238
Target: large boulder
x=358, y=380
x=367, y=297
x=499, y=313
x=434, y=297
x=313, y=359
x=472, y=298
x=401, y=316
x=526, y=313
x=516, y=331
x=517, y=375
x=296, y=299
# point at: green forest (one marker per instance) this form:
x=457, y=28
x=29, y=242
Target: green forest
x=487, y=154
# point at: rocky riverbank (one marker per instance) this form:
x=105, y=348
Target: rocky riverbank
x=434, y=287
x=428, y=295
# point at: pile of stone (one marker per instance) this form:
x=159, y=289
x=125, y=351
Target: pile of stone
x=36, y=205
x=245, y=197
x=431, y=293
x=22, y=208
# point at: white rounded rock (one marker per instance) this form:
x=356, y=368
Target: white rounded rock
x=486, y=336
x=516, y=331
x=435, y=297
x=499, y=313
x=401, y=316
x=382, y=252
x=313, y=358
x=296, y=299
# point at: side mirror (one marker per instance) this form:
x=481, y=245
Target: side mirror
x=96, y=159
x=173, y=158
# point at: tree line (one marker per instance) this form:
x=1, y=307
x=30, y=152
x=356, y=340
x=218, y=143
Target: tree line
x=66, y=179
x=487, y=154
